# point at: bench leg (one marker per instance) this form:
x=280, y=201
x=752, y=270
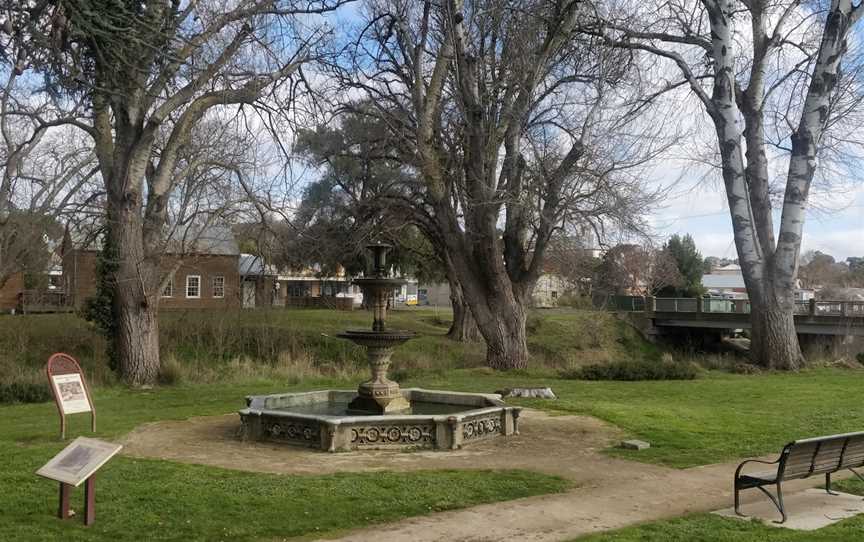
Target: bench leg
x=777, y=501
x=781, y=507
x=828, y=485
x=738, y=501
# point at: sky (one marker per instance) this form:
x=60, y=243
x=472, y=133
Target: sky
x=700, y=209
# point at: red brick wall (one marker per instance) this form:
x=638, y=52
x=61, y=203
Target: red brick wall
x=207, y=267
x=9, y=292
x=79, y=277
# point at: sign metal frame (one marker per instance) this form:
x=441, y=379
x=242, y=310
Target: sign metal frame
x=59, y=365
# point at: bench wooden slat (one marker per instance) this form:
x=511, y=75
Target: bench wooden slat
x=804, y=458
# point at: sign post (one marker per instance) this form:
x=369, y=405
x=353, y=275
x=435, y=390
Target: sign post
x=77, y=464
x=70, y=389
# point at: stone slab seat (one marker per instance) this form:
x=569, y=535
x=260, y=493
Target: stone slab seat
x=802, y=459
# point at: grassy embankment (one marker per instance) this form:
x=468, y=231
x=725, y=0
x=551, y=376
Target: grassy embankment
x=211, y=346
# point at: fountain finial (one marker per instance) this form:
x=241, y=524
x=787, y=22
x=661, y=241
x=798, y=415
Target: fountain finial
x=379, y=258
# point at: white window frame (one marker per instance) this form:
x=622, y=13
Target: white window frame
x=169, y=288
x=221, y=286
x=187, y=286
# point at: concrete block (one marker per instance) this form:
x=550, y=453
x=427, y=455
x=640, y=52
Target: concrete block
x=635, y=445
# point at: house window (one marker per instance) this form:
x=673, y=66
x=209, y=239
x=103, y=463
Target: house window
x=193, y=286
x=554, y=294
x=219, y=286
x=168, y=291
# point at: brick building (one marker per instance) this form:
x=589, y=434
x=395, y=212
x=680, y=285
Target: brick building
x=201, y=271
x=10, y=292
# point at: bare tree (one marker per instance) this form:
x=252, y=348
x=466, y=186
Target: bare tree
x=637, y=270
x=47, y=169
x=572, y=258
x=768, y=75
x=362, y=178
x=150, y=72
x=509, y=118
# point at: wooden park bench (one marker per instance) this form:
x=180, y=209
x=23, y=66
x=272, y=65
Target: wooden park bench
x=802, y=459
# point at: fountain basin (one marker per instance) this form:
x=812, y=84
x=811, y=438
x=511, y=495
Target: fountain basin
x=440, y=420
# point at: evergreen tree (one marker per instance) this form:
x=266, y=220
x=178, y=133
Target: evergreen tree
x=690, y=264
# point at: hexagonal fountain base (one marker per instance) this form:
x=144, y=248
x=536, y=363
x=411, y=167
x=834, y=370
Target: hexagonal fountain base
x=440, y=420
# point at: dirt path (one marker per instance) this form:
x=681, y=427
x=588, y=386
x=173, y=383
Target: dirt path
x=566, y=446
x=607, y=493
x=580, y=512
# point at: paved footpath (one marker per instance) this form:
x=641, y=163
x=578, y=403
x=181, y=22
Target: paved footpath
x=582, y=511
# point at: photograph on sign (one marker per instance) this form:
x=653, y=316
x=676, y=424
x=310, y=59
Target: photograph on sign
x=79, y=460
x=71, y=393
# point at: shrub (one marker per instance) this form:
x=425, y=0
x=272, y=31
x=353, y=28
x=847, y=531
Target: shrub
x=24, y=392
x=859, y=357
x=634, y=370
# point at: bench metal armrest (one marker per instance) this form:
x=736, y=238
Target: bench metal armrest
x=741, y=466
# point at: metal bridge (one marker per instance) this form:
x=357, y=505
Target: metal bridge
x=811, y=317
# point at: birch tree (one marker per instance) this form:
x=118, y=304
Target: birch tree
x=509, y=119
x=769, y=77
x=150, y=72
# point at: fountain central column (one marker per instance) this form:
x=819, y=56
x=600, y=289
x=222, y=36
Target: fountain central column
x=379, y=395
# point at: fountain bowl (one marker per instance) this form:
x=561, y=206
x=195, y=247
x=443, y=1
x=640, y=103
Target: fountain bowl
x=377, y=339
x=438, y=420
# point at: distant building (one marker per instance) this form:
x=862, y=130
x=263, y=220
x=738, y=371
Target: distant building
x=10, y=293
x=47, y=295
x=728, y=282
x=728, y=269
x=434, y=294
x=201, y=265
x=548, y=290
x=264, y=285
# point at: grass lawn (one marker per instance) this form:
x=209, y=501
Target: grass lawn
x=710, y=528
x=719, y=417
x=162, y=500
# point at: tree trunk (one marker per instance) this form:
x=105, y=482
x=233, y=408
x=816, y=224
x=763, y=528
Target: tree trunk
x=464, y=327
x=136, y=342
x=773, y=340
x=506, y=337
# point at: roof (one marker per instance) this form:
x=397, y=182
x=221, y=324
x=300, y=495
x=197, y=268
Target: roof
x=250, y=265
x=211, y=239
x=722, y=281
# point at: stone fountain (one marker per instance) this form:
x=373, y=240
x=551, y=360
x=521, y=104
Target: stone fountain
x=379, y=414
x=379, y=395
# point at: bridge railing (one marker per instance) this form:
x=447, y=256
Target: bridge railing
x=728, y=306
x=676, y=304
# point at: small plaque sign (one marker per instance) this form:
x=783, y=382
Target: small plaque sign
x=70, y=390
x=78, y=461
x=77, y=464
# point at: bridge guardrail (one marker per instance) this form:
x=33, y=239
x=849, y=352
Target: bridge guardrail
x=676, y=304
x=725, y=306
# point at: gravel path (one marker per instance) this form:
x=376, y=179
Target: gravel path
x=608, y=493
